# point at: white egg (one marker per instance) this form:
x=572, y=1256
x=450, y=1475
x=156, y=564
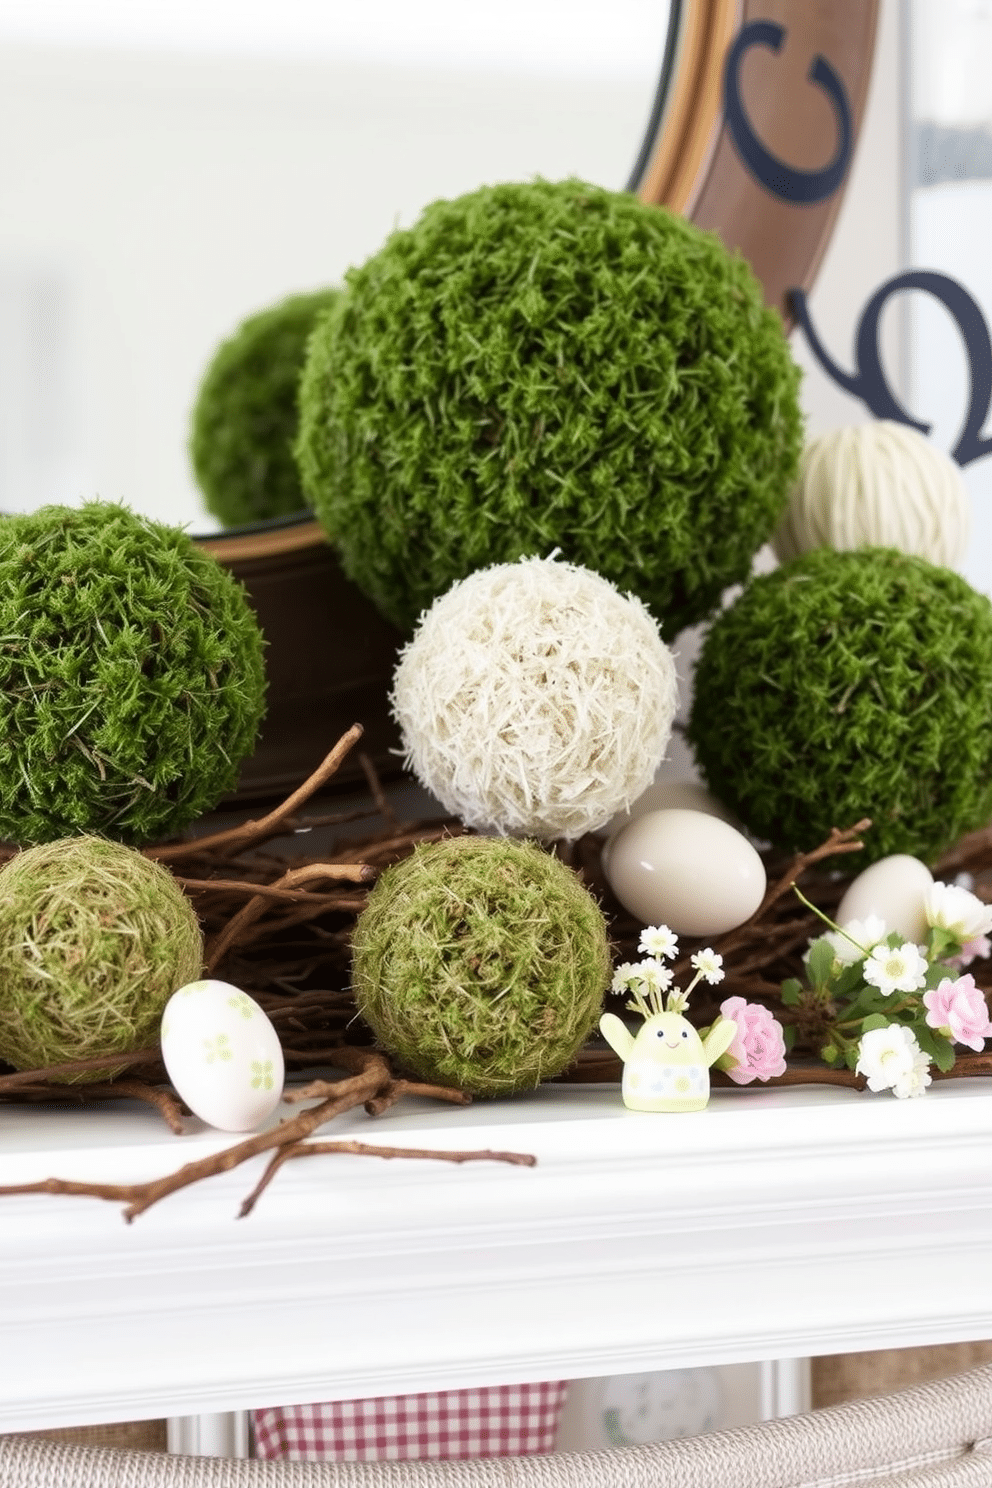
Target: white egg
x=894, y=888
x=685, y=869
x=222, y=1055
x=688, y=795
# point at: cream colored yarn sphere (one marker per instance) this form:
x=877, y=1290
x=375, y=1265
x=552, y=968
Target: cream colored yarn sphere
x=535, y=699
x=881, y=485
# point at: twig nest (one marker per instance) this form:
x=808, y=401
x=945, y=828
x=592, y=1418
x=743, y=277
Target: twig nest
x=546, y=364
x=879, y=484
x=535, y=699
x=94, y=939
x=244, y=420
x=131, y=672
x=846, y=685
x=481, y=963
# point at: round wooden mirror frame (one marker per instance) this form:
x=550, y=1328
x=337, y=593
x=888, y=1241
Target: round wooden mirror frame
x=757, y=110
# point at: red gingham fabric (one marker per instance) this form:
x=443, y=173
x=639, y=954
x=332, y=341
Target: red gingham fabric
x=498, y=1421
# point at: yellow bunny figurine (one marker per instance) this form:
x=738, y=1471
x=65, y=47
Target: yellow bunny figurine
x=666, y=1066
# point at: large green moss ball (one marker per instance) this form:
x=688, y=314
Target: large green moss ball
x=547, y=365
x=94, y=939
x=846, y=685
x=481, y=962
x=131, y=676
x=244, y=419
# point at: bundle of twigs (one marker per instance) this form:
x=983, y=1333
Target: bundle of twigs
x=279, y=926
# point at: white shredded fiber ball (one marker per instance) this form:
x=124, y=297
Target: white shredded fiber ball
x=535, y=699
x=880, y=485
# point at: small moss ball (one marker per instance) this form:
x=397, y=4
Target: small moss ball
x=94, y=939
x=481, y=963
x=547, y=365
x=131, y=676
x=845, y=685
x=244, y=419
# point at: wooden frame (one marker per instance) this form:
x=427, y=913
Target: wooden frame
x=756, y=114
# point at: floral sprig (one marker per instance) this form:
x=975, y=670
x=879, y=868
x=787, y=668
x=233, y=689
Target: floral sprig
x=758, y=1049
x=891, y=1009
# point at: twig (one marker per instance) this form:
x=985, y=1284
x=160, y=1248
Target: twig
x=371, y=1079
x=256, y=906
x=364, y=1149
x=378, y=794
x=266, y=826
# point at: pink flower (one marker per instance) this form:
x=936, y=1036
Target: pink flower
x=980, y=945
x=957, y=1010
x=758, y=1048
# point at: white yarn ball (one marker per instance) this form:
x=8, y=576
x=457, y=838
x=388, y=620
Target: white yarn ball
x=535, y=698
x=880, y=485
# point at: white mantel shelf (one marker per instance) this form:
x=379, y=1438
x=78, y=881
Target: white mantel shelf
x=775, y=1224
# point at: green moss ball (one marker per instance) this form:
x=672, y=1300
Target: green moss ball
x=94, y=939
x=245, y=417
x=131, y=676
x=481, y=962
x=846, y=685
x=547, y=365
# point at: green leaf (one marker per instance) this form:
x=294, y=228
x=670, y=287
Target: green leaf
x=850, y=980
x=789, y=1036
x=820, y=962
x=875, y=1020
x=792, y=992
x=935, y=1046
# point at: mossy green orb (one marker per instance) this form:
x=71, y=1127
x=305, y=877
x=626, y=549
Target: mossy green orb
x=846, y=685
x=550, y=365
x=481, y=962
x=244, y=420
x=131, y=675
x=94, y=939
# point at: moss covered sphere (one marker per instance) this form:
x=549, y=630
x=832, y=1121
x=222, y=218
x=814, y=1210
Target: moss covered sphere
x=245, y=419
x=846, y=685
x=94, y=939
x=547, y=365
x=131, y=676
x=481, y=963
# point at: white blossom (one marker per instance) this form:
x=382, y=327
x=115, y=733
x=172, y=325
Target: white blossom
x=896, y=968
x=855, y=938
x=891, y=1059
x=950, y=907
x=708, y=964
x=654, y=976
x=658, y=940
x=624, y=977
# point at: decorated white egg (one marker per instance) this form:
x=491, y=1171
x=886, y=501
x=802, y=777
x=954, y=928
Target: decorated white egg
x=685, y=869
x=222, y=1055
x=894, y=889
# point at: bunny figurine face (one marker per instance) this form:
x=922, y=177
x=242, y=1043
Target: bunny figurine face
x=666, y=1067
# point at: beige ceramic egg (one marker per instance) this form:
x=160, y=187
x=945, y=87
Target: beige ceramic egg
x=894, y=889
x=223, y=1055
x=685, y=869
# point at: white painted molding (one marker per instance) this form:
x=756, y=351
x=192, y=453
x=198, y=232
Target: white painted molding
x=773, y=1225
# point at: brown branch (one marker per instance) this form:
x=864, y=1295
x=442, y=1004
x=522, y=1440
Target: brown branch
x=245, y=887
x=256, y=906
x=383, y=806
x=846, y=841
x=55, y=1074
x=266, y=826
x=369, y=1080
x=364, y=1149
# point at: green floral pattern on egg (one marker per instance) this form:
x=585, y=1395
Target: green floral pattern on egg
x=223, y=1055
